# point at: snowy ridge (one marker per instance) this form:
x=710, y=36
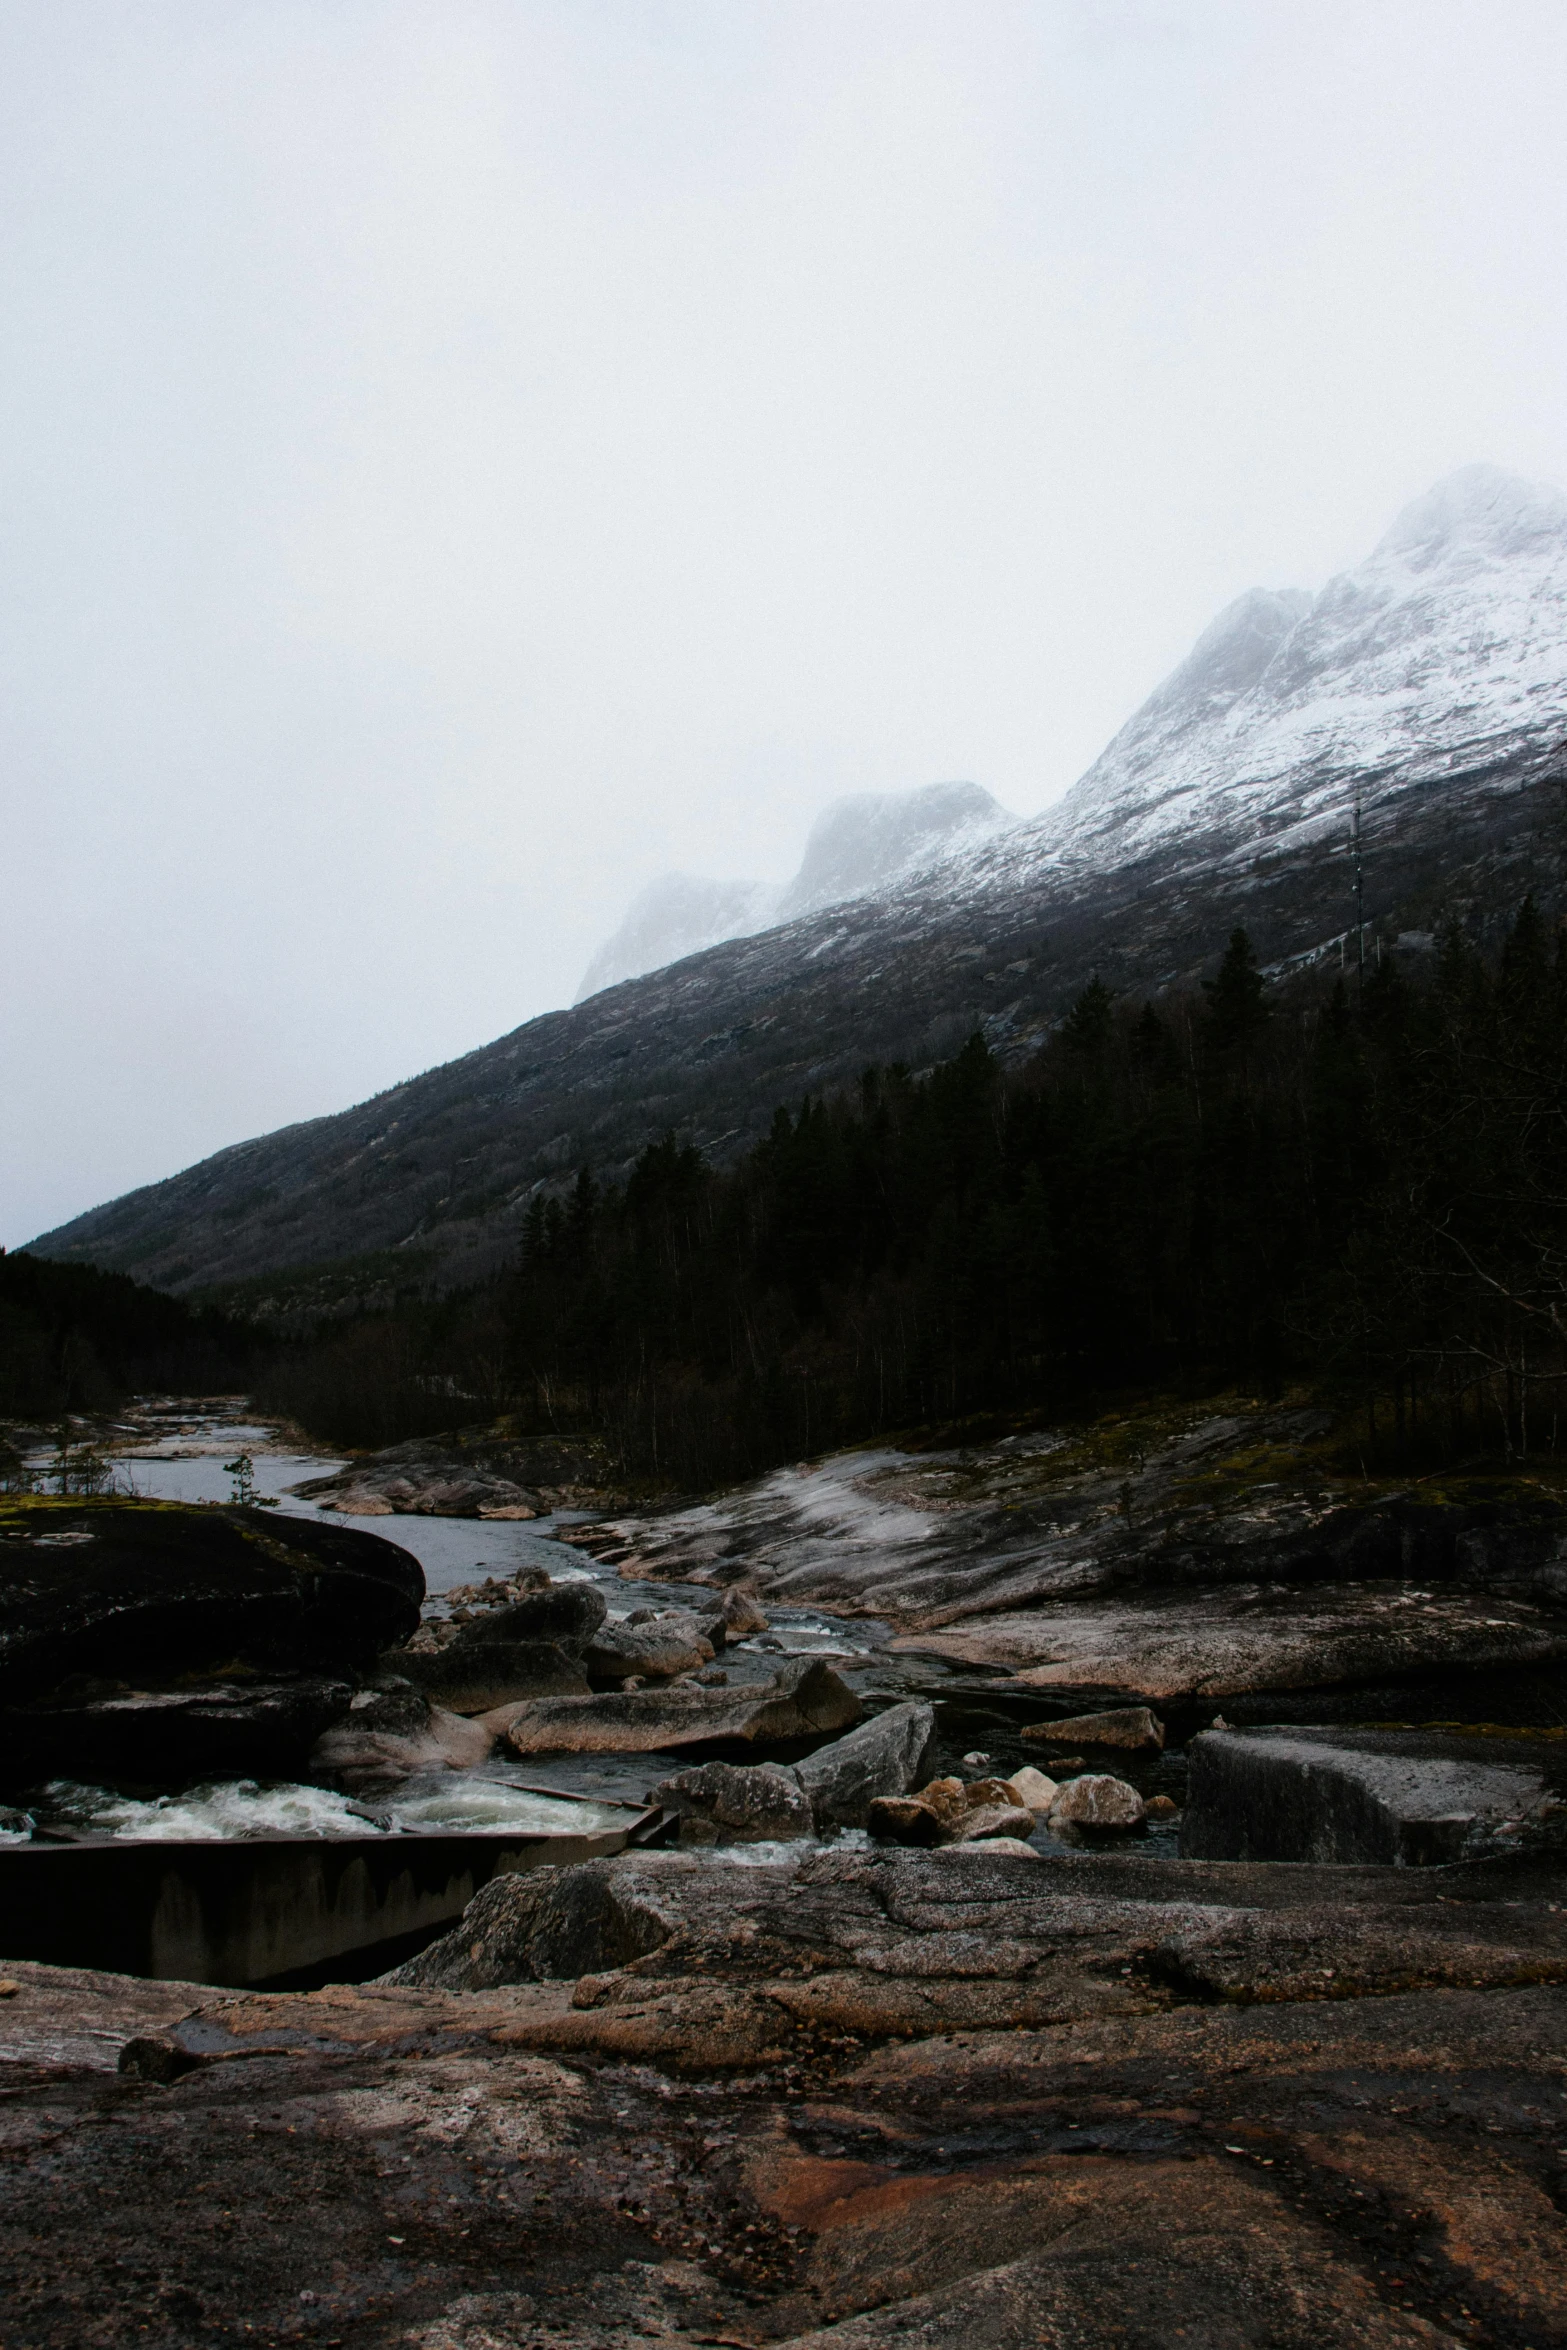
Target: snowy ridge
x=1442, y=654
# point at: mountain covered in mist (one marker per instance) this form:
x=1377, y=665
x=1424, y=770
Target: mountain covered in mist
x=857, y=846
x=1430, y=683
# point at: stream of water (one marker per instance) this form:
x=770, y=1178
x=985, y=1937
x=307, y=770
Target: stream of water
x=174, y=1450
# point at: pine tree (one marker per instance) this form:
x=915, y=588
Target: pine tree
x=1237, y=1013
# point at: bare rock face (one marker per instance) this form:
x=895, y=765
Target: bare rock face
x=969, y=2099
x=1131, y=1726
x=806, y=1699
x=1409, y=1798
x=1097, y=1801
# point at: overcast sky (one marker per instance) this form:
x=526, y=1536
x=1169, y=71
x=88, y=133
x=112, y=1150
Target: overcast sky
x=460, y=460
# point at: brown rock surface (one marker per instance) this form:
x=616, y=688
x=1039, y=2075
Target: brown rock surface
x=947, y=2101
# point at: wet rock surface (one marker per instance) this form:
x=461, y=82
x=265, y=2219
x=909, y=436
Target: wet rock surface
x=805, y=1699
x=1409, y=1798
x=950, y=2099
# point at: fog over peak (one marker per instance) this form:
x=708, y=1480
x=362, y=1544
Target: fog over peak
x=861, y=843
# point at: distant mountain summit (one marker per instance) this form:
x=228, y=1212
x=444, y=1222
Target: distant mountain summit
x=1430, y=683
x=1444, y=655
x=857, y=845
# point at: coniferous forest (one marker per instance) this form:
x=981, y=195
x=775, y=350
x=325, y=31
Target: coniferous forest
x=1358, y=1185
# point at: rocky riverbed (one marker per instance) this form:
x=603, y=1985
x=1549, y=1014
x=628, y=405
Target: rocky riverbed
x=1121, y=1900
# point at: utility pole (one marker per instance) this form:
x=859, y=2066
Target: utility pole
x=1360, y=906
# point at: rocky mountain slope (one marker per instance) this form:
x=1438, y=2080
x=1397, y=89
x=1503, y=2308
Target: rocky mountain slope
x=1431, y=683
x=857, y=846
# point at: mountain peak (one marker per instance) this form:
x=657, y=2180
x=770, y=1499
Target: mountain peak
x=857, y=845
x=1480, y=509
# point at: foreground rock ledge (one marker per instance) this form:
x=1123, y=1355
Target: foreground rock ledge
x=946, y=2099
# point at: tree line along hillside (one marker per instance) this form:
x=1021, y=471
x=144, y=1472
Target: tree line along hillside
x=74, y=1339
x=1363, y=1187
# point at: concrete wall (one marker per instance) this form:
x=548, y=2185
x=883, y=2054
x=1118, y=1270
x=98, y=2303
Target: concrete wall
x=244, y=1913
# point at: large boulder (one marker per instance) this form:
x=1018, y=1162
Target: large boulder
x=1097, y=1801
x=656, y=1649
x=1132, y=1726
x=566, y=1613
x=388, y=1733
x=531, y=1647
x=149, y=1592
x=1410, y=1798
x=883, y=1757
x=737, y=1803
x=807, y=1699
x=474, y=1677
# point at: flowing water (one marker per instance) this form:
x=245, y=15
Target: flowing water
x=176, y=1450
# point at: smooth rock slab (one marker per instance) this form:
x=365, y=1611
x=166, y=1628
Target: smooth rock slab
x=806, y=1699
x=1408, y=1798
x=1247, y=1637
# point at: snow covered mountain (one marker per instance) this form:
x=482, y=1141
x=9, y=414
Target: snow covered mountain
x=1431, y=681
x=1444, y=655
x=858, y=845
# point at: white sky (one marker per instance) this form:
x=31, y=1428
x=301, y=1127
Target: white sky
x=460, y=460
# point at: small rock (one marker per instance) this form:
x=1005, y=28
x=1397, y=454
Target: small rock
x=1162, y=1807
x=1032, y=1789
x=1132, y=1726
x=903, y=1819
x=947, y=1798
x=975, y=1762
x=742, y=1616
x=980, y=1791
x=1097, y=1801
